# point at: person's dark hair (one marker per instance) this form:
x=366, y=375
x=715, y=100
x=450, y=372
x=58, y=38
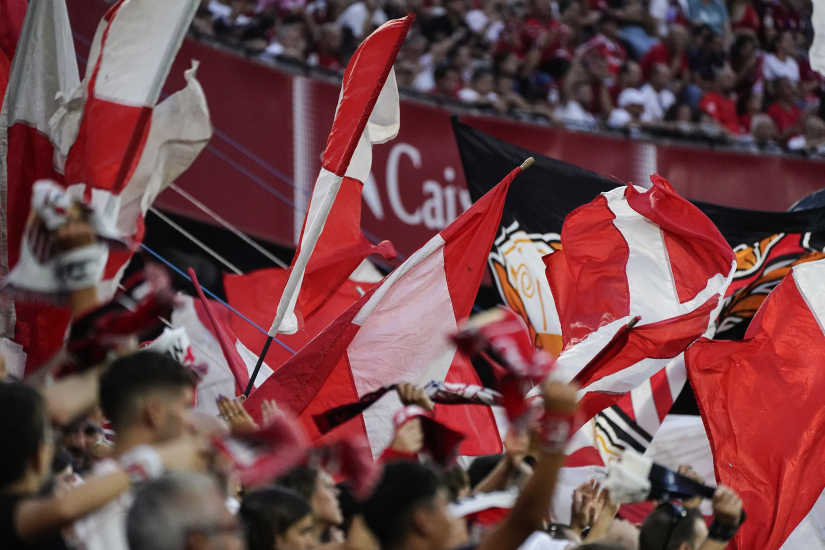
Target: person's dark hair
x=404, y=487
x=269, y=513
x=134, y=375
x=738, y=45
x=456, y=480
x=442, y=70
x=481, y=467
x=22, y=429
x=480, y=73
x=667, y=527
x=301, y=480
x=673, y=111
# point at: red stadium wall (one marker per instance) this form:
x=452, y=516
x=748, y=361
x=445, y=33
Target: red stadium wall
x=271, y=127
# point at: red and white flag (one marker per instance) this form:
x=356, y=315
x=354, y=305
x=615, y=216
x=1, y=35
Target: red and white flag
x=332, y=245
x=635, y=252
x=761, y=402
x=399, y=332
x=124, y=150
x=43, y=70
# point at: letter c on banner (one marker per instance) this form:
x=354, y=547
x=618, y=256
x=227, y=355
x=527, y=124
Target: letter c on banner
x=410, y=218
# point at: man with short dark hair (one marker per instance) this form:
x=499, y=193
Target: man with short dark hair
x=147, y=397
x=408, y=509
x=672, y=527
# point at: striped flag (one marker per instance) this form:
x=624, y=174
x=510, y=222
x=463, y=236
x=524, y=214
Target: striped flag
x=125, y=150
x=43, y=69
x=650, y=254
x=398, y=332
x=332, y=245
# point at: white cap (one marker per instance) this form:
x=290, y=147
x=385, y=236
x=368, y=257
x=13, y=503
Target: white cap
x=631, y=96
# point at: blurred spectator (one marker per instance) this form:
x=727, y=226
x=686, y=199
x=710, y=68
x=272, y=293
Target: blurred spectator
x=630, y=110
x=327, y=52
x=812, y=140
x=480, y=92
x=182, y=512
x=542, y=41
x=778, y=16
x=707, y=57
x=361, y=18
x=277, y=519
x=605, y=44
x=488, y=21
x=713, y=13
x=750, y=106
x=780, y=63
x=743, y=18
x=718, y=104
x=763, y=131
x=785, y=113
x=317, y=487
x=656, y=98
x=446, y=81
x=288, y=45
x=746, y=62
x=630, y=76
x=449, y=25
x=672, y=52
x=573, y=113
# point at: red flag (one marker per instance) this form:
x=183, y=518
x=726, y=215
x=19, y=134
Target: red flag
x=761, y=402
x=12, y=13
x=650, y=254
x=254, y=293
x=331, y=244
x=226, y=339
x=397, y=332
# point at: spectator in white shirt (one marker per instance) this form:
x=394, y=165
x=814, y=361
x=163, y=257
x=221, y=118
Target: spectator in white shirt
x=480, y=91
x=573, y=114
x=781, y=63
x=630, y=110
x=361, y=18
x=657, y=98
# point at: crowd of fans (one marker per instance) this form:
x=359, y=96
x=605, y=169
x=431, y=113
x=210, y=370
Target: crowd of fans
x=734, y=72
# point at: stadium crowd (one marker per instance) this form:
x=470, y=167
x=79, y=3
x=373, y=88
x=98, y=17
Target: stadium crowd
x=734, y=72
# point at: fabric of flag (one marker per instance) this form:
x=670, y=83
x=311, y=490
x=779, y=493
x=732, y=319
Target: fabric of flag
x=254, y=293
x=123, y=150
x=761, y=402
x=42, y=71
x=219, y=379
x=651, y=254
x=331, y=244
x=12, y=14
x=225, y=338
x=397, y=332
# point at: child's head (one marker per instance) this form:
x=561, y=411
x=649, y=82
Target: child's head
x=24, y=435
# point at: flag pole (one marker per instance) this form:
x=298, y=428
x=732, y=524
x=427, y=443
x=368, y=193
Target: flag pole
x=258, y=366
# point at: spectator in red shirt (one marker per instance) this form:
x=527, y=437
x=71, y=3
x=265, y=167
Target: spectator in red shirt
x=749, y=107
x=743, y=17
x=545, y=42
x=327, y=52
x=786, y=115
x=672, y=52
x=718, y=104
x=606, y=44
